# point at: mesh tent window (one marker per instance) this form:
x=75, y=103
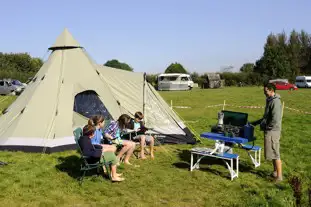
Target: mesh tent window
x=88, y=104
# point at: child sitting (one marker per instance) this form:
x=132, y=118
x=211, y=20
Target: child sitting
x=138, y=125
x=97, y=154
x=98, y=123
x=113, y=134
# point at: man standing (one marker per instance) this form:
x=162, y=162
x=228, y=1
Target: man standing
x=271, y=124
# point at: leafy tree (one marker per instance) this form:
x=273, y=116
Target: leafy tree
x=19, y=66
x=119, y=65
x=274, y=62
x=305, y=53
x=36, y=64
x=247, y=68
x=175, y=68
x=151, y=78
x=195, y=77
x=294, y=48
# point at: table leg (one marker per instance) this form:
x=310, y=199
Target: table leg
x=237, y=166
x=191, y=162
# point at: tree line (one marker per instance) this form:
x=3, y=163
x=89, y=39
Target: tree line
x=19, y=66
x=285, y=56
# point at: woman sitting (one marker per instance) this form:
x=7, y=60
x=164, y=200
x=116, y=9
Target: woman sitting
x=113, y=134
x=98, y=122
x=97, y=154
x=138, y=125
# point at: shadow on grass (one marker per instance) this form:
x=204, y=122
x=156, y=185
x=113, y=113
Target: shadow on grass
x=71, y=165
x=185, y=156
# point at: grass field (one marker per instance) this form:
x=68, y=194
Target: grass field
x=33, y=179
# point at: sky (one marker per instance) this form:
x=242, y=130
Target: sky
x=202, y=35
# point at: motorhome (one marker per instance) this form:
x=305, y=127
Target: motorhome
x=303, y=81
x=174, y=82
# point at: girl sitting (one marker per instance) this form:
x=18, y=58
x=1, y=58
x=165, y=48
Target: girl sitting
x=98, y=123
x=97, y=154
x=113, y=133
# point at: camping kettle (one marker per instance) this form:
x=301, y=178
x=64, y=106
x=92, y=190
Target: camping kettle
x=220, y=119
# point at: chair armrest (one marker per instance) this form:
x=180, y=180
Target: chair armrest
x=129, y=131
x=97, y=146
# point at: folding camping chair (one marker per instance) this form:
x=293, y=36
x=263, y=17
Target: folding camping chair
x=85, y=166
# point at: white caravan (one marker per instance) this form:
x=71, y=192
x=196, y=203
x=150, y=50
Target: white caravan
x=303, y=81
x=174, y=82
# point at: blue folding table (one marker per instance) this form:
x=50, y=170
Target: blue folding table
x=225, y=152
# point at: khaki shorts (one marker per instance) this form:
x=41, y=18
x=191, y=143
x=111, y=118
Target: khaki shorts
x=138, y=137
x=272, y=145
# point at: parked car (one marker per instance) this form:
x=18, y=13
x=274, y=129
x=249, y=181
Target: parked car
x=281, y=85
x=6, y=87
x=19, y=85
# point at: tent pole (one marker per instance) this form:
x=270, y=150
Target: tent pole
x=144, y=93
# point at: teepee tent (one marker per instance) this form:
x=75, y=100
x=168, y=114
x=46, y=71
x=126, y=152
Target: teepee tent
x=68, y=89
x=42, y=117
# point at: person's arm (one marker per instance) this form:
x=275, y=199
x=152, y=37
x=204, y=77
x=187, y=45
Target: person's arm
x=256, y=122
x=276, y=113
x=88, y=149
x=108, y=136
x=98, y=146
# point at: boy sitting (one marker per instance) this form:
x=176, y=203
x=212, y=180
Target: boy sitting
x=137, y=124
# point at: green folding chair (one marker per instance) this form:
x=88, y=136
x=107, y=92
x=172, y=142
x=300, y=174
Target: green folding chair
x=85, y=166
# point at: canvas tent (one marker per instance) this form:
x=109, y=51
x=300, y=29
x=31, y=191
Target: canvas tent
x=70, y=87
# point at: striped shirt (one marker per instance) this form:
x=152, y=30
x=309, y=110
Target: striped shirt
x=113, y=129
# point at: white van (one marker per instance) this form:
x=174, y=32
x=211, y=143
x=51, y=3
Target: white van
x=174, y=82
x=303, y=81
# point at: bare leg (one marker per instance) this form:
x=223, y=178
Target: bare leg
x=131, y=146
x=278, y=165
x=142, y=147
x=124, y=149
x=114, y=175
x=151, y=148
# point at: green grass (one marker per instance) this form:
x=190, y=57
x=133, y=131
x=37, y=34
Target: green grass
x=33, y=179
